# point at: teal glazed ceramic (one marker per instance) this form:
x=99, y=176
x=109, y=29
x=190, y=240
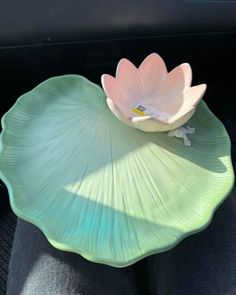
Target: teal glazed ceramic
x=101, y=188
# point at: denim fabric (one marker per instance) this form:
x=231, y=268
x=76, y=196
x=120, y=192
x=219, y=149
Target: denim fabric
x=202, y=264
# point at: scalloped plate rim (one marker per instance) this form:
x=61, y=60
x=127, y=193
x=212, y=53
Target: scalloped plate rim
x=65, y=247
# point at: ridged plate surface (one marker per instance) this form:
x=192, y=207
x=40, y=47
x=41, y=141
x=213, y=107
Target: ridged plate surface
x=97, y=187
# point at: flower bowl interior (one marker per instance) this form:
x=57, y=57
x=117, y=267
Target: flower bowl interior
x=149, y=92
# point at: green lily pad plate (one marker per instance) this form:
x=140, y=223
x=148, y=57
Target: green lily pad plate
x=104, y=190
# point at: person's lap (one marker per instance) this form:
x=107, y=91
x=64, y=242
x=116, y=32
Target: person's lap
x=202, y=264
x=37, y=268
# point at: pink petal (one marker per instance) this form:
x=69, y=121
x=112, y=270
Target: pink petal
x=190, y=98
x=152, y=72
x=128, y=79
x=113, y=90
x=125, y=68
x=178, y=80
x=193, y=95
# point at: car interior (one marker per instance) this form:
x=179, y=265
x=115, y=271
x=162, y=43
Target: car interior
x=42, y=39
